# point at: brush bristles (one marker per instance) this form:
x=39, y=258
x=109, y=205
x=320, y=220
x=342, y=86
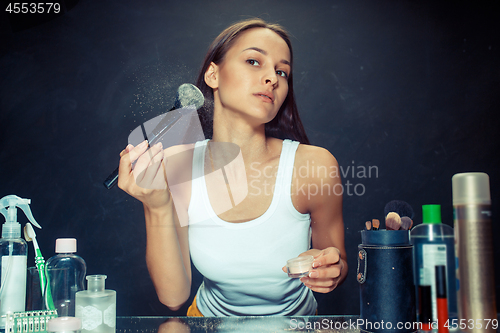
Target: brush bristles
x=406, y=223
x=368, y=225
x=400, y=207
x=392, y=221
x=375, y=224
x=26, y=235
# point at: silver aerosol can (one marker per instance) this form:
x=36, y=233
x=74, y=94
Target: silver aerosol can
x=474, y=251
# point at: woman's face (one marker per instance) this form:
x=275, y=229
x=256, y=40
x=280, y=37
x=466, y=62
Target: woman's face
x=252, y=80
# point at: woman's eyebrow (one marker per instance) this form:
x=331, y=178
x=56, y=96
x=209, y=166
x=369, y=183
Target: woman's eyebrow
x=283, y=61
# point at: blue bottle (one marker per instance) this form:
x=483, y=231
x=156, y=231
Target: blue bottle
x=433, y=245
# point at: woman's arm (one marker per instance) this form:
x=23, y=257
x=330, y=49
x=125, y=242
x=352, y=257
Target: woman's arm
x=323, y=201
x=167, y=256
x=167, y=252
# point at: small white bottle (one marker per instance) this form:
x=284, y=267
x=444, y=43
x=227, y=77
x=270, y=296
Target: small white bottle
x=96, y=306
x=65, y=273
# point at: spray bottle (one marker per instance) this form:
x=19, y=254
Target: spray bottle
x=14, y=252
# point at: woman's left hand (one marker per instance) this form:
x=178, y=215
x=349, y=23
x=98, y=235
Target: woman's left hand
x=326, y=272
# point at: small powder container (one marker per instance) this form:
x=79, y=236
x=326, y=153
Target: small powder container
x=300, y=266
x=64, y=325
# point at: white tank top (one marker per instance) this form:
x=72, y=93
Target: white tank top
x=241, y=262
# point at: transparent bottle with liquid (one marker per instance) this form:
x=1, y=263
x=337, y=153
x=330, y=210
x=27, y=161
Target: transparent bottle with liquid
x=96, y=306
x=13, y=261
x=13, y=275
x=66, y=276
x=433, y=245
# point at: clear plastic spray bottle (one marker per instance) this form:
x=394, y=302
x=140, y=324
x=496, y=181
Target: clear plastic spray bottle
x=14, y=252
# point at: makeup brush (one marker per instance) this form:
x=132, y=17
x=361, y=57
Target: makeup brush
x=375, y=224
x=406, y=223
x=392, y=221
x=187, y=95
x=368, y=225
x=398, y=206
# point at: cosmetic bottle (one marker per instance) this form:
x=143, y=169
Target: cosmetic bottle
x=66, y=275
x=96, y=306
x=442, y=299
x=434, y=246
x=474, y=251
x=425, y=307
x=14, y=252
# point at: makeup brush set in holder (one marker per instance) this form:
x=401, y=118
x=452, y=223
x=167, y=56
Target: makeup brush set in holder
x=385, y=273
x=453, y=268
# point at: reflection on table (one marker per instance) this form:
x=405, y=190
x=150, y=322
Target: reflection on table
x=340, y=324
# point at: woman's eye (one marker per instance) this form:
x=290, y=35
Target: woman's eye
x=282, y=73
x=253, y=62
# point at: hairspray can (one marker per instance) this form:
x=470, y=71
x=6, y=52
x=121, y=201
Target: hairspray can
x=474, y=251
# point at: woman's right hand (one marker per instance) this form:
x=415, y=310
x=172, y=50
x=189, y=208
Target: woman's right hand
x=146, y=180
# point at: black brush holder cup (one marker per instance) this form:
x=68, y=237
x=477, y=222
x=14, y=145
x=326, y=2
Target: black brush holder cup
x=385, y=276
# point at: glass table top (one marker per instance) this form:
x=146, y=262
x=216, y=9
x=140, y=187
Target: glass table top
x=340, y=324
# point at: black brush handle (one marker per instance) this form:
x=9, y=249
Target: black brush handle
x=111, y=180
x=187, y=94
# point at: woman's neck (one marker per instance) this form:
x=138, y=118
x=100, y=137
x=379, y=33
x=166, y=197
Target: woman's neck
x=251, y=140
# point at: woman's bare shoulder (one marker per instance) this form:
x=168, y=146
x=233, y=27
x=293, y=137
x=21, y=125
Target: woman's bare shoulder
x=316, y=174
x=313, y=155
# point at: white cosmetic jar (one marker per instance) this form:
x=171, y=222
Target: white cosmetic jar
x=64, y=325
x=300, y=266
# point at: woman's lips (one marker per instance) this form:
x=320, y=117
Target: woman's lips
x=265, y=96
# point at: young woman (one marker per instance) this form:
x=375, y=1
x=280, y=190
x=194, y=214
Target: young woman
x=293, y=199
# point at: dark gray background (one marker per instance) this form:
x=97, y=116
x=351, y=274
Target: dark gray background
x=410, y=87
